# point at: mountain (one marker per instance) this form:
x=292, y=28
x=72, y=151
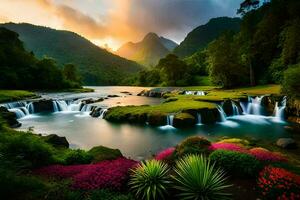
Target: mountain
x=147, y=52
x=201, y=36
x=96, y=65
x=169, y=44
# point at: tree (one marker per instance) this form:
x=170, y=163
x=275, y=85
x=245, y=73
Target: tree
x=71, y=74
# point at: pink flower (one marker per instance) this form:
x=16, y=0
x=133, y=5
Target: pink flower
x=266, y=155
x=165, y=154
x=111, y=174
x=227, y=146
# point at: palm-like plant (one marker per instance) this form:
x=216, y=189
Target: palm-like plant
x=196, y=178
x=150, y=180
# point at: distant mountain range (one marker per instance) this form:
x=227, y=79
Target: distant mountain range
x=96, y=65
x=148, y=51
x=201, y=36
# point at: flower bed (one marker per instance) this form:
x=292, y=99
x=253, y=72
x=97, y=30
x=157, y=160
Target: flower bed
x=107, y=174
x=165, y=154
x=266, y=155
x=278, y=183
x=228, y=146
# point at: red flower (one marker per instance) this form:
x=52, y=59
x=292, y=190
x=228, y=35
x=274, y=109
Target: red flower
x=227, y=146
x=163, y=155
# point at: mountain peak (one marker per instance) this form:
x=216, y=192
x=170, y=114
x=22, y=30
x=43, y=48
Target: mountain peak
x=151, y=36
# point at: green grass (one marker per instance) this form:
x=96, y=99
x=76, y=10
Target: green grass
x=15, y=95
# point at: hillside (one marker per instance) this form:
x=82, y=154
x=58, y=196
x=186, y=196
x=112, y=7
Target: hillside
x=169, y=44
x=147, y=52
x=201, y=36
x=96, y=66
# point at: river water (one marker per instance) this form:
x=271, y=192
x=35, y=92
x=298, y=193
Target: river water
x=139, y=141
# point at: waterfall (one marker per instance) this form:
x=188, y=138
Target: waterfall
x=18, y=111
x=198, y=93
x=20, y=108
x=235, y=109
x=279, y=110
x=30, y=108
x=86, y=108
x=254, y=105
x=222, y=113
x=199, y=120
x=170, y=120
x=102, y=113
x=62, y=105
x=55, y=106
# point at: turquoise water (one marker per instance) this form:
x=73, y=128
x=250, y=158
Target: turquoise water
x=140, y=141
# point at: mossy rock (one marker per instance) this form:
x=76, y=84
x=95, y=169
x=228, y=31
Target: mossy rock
x=56, y=141
x=9, y=118
x=227, y=107
x=184, y=120
x=157, y=119
x=236, y=141
x=209, y=116
x=100, y=153
x=193, y=145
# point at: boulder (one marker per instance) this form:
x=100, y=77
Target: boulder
x=92, y=100
x=57, y=141
x=113, y=96
x=227, y=107
x=9, y=117
x=101, y=153
x=157, y=119
x=209, y=116
x=96, y=112
x=184, y=120
x=43, y=105
x=286, y=143
x=293, y=110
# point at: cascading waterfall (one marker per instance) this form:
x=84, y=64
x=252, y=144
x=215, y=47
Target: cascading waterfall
x=199, y=119
x=198, y=93
x=30, y=107
x=170, y=120
x=254, y=106
x=21, y=109
x=279, y=110
x=86, y=108
x=102, y=113
x=222, y=113
x=235, y=109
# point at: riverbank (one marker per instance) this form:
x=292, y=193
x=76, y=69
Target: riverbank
x=16, y=95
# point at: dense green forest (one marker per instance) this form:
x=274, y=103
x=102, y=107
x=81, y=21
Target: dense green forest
x=95, y=65
x=20, y=69
x=265, y=50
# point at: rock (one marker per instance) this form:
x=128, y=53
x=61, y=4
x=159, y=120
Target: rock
x=101, y=153
x=126, y=92
x=43, y=105
x=227, y=107
x=96, y=112
x=209, y=116
x=9, y=117
x=56, y=140
x=184, y=120
x=92, y=100
x=293, y=110
x=113, y=96
x=286, y=143
x=157, y=119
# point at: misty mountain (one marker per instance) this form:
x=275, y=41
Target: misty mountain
x=169, y=44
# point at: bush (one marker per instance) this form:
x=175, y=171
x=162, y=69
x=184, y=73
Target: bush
x=196, y=178
x=277, y=183
x=26, y=149
x=227, y=146
x=166, y=154
x=150, y=180
x=109, y=195
x=291, y=82
x=193, y=145
x=266, y=155
x=236, y=163
x=78, y=157
x=235, y=141
x=101, y=153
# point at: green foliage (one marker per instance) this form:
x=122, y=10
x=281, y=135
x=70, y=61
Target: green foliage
x=291, y=82
x=235, y=163
x=225, y=65
x=193, y=145
x=77, y=156
x=197, y=178
x=95, y=65
x=201, y=36
x=198, y=61
x=150, y=180
x=14, y=95
x=101, y=153
x=109, y=195
x=21, y=70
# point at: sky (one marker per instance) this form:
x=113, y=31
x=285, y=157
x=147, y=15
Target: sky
x=114, y=22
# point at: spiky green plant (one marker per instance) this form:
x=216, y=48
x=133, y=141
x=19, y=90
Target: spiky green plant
x=150, y=180
x=198, y=179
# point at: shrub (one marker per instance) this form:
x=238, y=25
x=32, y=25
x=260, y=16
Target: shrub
x=101, y=153
x=106, y=174
x=266, y=155
x=166, y=154
x=150, y=180
x=227, y=146
x=78, y=157
x=109, y=195
x=235, y=141
x=196, y=178
x=291, y=82
x=278, y=183
x=26, y=149
x=193, y=145
x=236, y=163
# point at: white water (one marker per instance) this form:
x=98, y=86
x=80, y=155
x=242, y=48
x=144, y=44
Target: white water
x=222, y=113
x=198, y=93
x=21, y=109
x=102, y=113
x=199, y=119
x=235, y=109
x=254, y=106
x=279, y=110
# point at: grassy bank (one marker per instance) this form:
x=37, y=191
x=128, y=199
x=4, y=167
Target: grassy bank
x=15, y=95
